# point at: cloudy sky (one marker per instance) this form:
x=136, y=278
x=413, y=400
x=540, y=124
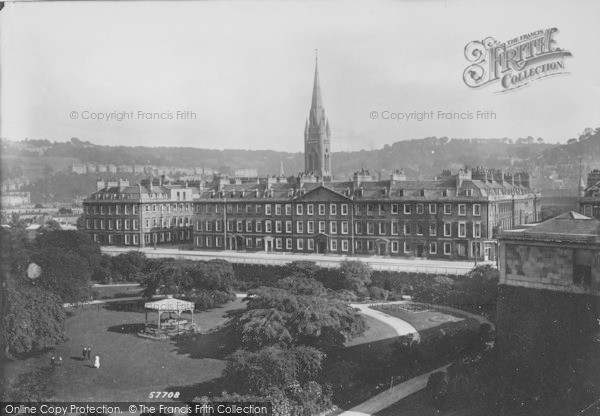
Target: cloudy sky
x=246, y=70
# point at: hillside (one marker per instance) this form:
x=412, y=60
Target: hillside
x=47, y=165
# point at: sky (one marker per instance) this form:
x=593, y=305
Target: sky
x=243, y=71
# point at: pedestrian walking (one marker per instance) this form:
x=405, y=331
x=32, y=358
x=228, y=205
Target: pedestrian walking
x=52, y=361
x=84, y=353
x=97, y=362
x=60, y=361
x=89, y=353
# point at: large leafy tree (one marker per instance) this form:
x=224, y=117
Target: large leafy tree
x=280, y=317
x=35, y=317
x=355, y=274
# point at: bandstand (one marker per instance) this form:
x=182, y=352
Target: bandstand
x=170, y=326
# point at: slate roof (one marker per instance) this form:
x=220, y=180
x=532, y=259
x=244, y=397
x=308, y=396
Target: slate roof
x=570, y=227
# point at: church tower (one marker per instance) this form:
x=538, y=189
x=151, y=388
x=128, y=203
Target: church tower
x=317, y=152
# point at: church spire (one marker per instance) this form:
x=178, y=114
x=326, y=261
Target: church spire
x=317, y=101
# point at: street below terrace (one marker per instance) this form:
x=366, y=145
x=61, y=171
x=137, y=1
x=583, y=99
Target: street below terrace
x=442, y=267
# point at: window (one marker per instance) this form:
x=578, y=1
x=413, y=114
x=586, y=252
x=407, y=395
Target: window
x=208, y=226
x=310, y=227
x=370, y=209
x=239, y=208
x=383, y=208
x=447, y=229
x=334, y=245
x=135, y=224
x=278, y=243
x=321, y=209
x=111, y=239
x=469, y=192
x=462, y=251
x=344, y=245
x=370, y=245
x=288, y=227
x=258, y=208
x=268, y=209
x=447, y=209
x=267, y=226
x=344, y=227
x=406, y=229
x=477, y=230
x=462, y=229
x=127, y=239
x=277, y=209
x=248, y=208
x=310, y=244
x=370, y=227
x=406, y=247
x=419, y=229
x=288, y=243
x=358, y=228
x=332, y=209
x=395, y=228
x=135, y=211
x=420, y=208
x=394, y=246
x=135, y=239
x=407, y=209
x=300, y=244
x=333, y=227
x=394, y=208
x=358, y=245
x=299, y=209
x=432, y=208
x=248, y=226
x=127, y=224
x=208, y=241
x=278, y=227
x=447, y=248
x=310, y=209
x=381, y=228
x=477, y=210
x=433, y=248
x=322, y=227
x=288, y=209
x=462, y=209
x=258, y=226
x=344, y=208
x=358, y=209
x=299, y=227
x=239, y=226
x=229, y=209
x=433, y=229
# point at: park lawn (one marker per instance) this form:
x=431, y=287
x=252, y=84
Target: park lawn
x=130, y=366
x=376, y=331
x=419, y=315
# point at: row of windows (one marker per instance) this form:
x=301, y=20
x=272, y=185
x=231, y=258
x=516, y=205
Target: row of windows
x=334, y=209
x=129, y=209
x=133, y=239
x=342, y=227
x=334, y=245
x=126, y=224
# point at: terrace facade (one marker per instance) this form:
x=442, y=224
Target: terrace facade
x=148, y=214
x=453, y=217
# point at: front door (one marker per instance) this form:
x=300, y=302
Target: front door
x=321, y=247
x=420, y=249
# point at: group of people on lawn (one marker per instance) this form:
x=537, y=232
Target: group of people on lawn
x=86, y=353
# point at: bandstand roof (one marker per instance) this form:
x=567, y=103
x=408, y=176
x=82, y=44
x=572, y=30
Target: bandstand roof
x=170, y=304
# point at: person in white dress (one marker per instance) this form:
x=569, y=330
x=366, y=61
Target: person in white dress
x=97, y=362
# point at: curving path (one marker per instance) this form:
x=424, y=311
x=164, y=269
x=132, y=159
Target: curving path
x=400, y=326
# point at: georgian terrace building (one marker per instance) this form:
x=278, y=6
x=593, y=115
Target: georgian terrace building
x=150, y=213
x=453, y=217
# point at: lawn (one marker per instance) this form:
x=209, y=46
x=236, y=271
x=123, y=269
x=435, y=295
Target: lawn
x=105, y=292
x=423, y=318
x=130, y=367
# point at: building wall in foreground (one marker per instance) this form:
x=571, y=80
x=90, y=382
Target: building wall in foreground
x=563, y=267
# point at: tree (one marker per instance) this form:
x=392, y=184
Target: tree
x=355, y=274
x=272, y=367
x=35, y=318
x=300, y=285
x=309, y=320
